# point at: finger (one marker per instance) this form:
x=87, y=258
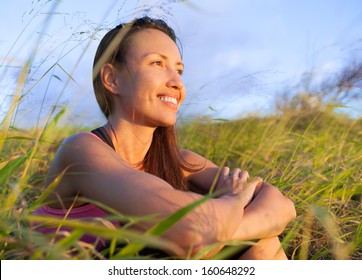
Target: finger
x=243, y=176
x=235, y=175
x=255, y=181
x=225, y=172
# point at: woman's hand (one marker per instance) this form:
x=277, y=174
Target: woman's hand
x=236, y=183
x=267, y=215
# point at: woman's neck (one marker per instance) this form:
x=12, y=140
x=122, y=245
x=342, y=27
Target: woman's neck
x=131, y=141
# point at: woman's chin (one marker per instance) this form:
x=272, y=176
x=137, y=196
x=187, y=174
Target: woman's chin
x=169, y=121
x=167, y=124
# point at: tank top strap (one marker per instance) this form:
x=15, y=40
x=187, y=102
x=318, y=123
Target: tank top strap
x=102, y=134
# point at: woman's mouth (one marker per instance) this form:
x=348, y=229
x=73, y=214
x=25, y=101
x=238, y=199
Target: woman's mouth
x=168, y=99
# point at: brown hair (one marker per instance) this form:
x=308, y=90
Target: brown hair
x=163, y=158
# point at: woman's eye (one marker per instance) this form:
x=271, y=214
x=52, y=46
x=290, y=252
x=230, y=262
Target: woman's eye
x=180, y=72
x=158, y=62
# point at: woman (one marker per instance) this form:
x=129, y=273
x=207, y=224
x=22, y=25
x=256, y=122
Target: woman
x=133, y=163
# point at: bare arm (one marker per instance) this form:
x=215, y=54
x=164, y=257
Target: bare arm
x=96, y=172
x=266, y=216
x=204, y=178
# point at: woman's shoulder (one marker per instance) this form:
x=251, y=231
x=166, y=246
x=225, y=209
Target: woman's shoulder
x=194, y=158
x=81, y=146
x=199, y=163
x=83, y=141
x=80, y=138
x=190, y=155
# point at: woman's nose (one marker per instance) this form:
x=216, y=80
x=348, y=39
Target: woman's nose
x=174, y=80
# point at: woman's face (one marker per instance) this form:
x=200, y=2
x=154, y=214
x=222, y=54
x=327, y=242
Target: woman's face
x=150, y=86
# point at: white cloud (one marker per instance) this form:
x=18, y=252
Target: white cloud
x=232, y=58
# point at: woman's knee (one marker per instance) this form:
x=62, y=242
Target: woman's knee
x=265, y=249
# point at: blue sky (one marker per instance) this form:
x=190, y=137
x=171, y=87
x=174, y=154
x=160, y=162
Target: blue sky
x=238, y=54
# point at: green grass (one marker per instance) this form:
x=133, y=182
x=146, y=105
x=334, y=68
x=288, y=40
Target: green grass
x=313, y=155
x=314, y=158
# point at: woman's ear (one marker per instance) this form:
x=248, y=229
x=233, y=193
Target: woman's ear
x=109, y=78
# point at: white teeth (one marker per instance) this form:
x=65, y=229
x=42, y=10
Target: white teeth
x=169, y=99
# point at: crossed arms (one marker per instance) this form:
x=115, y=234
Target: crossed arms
x=246, y=209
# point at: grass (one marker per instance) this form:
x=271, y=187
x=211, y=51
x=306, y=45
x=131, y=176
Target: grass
x=313, y=155
x=314, y=158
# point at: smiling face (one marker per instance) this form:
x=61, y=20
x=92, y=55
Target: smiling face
x=149, y=87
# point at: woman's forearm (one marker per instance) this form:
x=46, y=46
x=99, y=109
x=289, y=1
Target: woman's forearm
x=266, y=216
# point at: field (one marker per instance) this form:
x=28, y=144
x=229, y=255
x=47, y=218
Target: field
x=306, y=148
x=313, y=156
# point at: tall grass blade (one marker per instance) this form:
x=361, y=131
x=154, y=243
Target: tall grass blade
x=47, y=191
x=100, y=230
x=163, y=226
x=340, y=249
x=11, y=167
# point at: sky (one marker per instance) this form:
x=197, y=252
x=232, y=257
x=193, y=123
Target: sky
x=239, y=55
